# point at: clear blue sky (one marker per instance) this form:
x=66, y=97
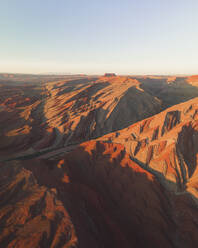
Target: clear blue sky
x=97, y=36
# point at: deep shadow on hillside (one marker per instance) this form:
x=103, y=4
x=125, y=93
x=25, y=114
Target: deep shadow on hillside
x=95, y=197
x=45, y=118
x=171, y=93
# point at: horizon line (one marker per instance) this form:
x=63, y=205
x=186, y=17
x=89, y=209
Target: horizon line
x=98, y=74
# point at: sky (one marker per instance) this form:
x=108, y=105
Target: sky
x=98, y=36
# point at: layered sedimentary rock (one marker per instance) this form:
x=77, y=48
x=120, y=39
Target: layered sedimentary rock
x=134, y=187
x=40, y=117
x=166, y=144
x=83, y=110
x=171, y=90
x=37, y=118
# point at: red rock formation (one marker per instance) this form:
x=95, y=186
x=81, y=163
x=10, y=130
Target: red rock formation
x=95, y=197
x=74, y=110
x=166, y=144
x=109, y=74
x=193, y=80
x=135, y=187
x=80, y=109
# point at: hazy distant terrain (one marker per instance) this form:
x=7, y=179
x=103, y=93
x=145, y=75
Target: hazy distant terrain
x=98, y=161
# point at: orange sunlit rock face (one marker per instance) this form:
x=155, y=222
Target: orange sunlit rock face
x=99, y=162
x=166, y=144
x=58, y=114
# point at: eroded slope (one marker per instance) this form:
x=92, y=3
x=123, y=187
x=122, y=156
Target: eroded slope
x=38, y=118
x=166, y=144
x=90, y=109
x=96, y=196
x=136, y=187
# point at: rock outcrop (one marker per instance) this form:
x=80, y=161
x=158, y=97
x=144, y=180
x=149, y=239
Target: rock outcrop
x=55, y=115
x=131, y=184
x=166, y=144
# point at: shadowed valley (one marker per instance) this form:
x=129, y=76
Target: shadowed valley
x=103, y=161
